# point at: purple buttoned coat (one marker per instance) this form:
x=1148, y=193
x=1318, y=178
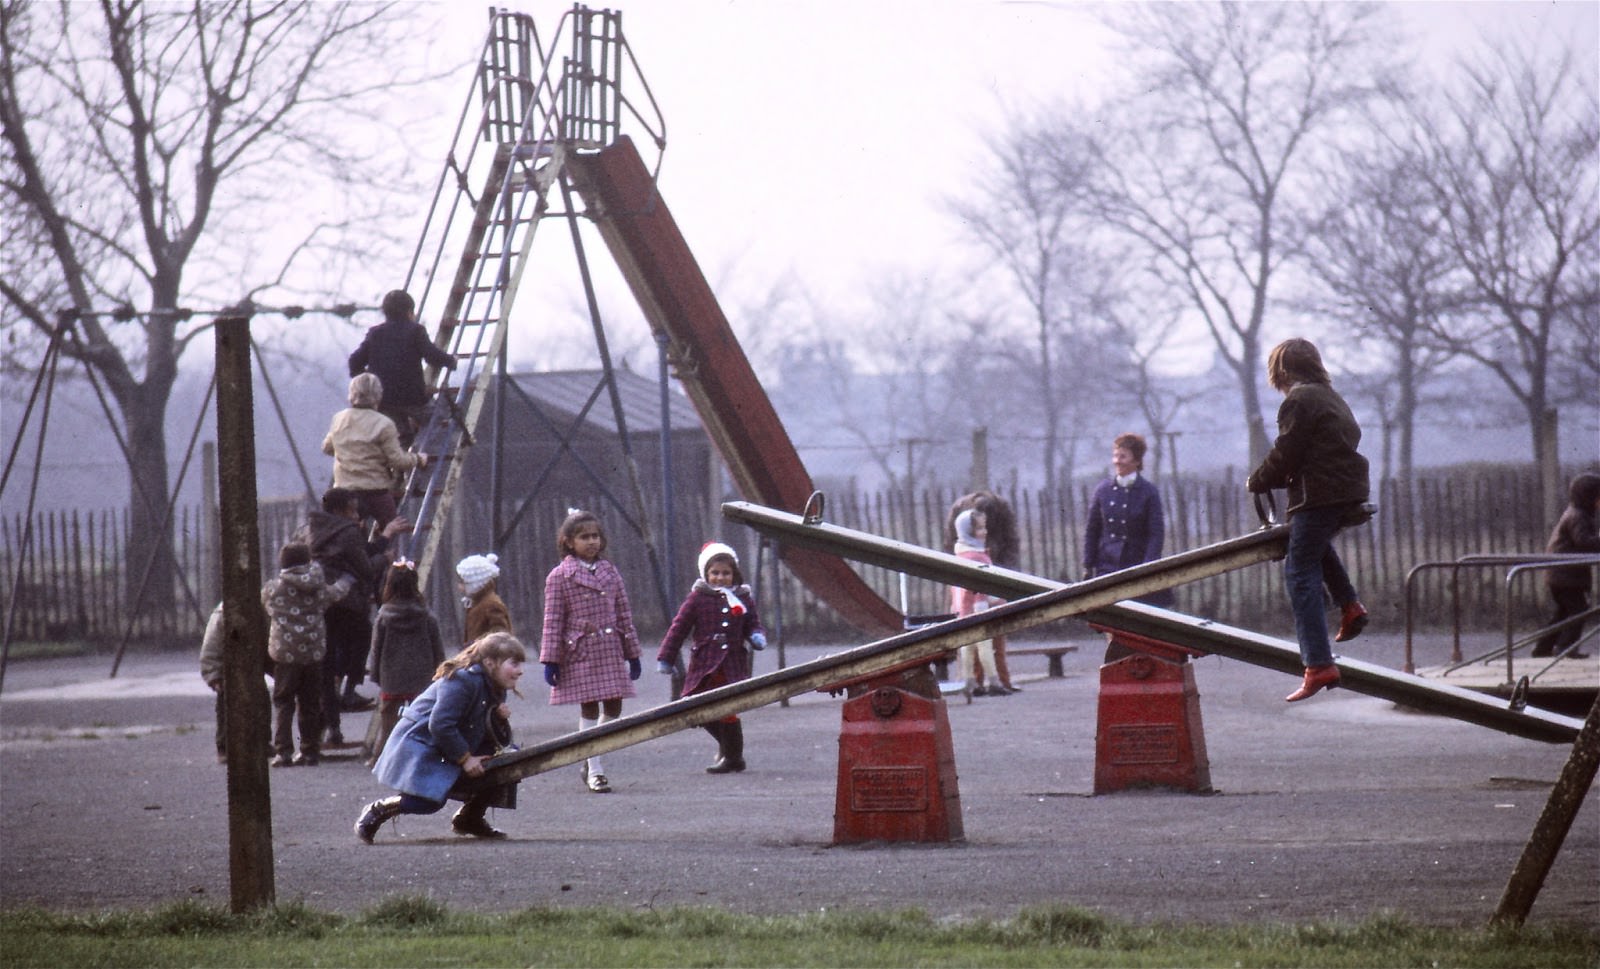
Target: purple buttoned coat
x=718, y=635
x=588, y=630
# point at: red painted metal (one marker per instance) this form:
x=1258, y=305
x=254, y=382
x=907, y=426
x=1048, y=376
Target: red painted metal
x=673, y=293
x=897, y=770
x=1149, y=732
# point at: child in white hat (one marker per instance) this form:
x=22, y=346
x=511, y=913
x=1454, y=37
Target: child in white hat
x=720, y=613
x=486, y=611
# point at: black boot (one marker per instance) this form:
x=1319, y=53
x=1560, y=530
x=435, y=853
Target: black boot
x=716, y=731
x=471, y=822
x=373, y=816
x=732, y=759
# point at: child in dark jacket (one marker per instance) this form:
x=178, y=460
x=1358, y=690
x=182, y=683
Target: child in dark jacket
x=297, y=643
x=720, y=613
x=406, y=648
x=1577, y=531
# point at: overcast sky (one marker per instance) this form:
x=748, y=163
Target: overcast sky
x=819, y=139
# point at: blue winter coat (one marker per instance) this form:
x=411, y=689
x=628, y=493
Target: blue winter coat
x=437, y=730
x=1125, y=529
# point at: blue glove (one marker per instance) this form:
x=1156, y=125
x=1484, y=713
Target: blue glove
x=552, y=673
x=758, y=640
x=634, y=668
x=664, y=668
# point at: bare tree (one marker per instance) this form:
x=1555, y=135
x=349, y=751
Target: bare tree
x=1514, y=168
x=1385, y=271
x=1028, y=217
x=153, y=153
x=1207, y=161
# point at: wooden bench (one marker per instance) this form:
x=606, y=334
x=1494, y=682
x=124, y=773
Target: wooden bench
x=1055, y=651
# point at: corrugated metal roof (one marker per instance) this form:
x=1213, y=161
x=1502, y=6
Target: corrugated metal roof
x=565, y=391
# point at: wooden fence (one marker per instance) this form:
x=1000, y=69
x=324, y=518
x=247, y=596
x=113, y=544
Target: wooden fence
x=76, y=582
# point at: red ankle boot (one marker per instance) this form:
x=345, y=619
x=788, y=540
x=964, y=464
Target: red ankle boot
x=1317, y=678
x=1351, y=622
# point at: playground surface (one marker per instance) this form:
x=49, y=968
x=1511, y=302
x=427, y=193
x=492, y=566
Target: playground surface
x=1334, y=809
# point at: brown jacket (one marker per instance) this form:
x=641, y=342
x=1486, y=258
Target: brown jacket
x=486, y=613
x=1315, y=455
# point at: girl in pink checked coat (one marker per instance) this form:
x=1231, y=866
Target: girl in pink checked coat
x=589, y=649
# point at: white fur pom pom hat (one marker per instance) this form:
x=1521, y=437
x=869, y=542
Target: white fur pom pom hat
x=477, y=571
x=711, y=551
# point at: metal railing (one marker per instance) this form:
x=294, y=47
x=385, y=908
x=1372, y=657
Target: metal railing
x=1515, y=566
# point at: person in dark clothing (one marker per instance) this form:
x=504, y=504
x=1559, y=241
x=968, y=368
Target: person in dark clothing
x=339, y=545
x=1126, y=524
x=1315, y=458
x=395, y=350
x=406, y=648
x=1577, y=531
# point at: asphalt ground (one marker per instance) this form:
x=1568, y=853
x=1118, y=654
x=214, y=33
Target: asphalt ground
x=1338, y=808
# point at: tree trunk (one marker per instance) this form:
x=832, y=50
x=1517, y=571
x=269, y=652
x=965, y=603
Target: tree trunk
x=151, y=568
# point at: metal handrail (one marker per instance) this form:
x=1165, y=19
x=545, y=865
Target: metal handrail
x=1515, y=565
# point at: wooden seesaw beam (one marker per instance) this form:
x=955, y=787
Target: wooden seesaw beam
x=1045, y=605
x=1163, y=624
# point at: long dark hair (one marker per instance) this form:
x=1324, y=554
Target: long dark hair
x=1003, y=543
x=400, y=582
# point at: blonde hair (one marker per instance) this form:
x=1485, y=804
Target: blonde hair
x=1295, y=361
x=366, y=390
x=495, y=646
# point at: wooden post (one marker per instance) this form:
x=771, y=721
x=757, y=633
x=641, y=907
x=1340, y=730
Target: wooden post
x=980, y=459
x=249, y=710
x=1566, y=798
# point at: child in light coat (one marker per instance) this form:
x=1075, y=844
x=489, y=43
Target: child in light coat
x=296, y=643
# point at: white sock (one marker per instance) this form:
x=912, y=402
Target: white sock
x=594, y=762
x=584, y=723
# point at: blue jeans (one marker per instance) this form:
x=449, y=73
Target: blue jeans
x=1310, y=564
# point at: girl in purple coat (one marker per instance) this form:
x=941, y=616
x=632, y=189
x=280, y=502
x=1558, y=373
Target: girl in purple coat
x=589, y=648
x=720, y=612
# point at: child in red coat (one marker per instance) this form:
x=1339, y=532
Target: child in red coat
x=720, y=612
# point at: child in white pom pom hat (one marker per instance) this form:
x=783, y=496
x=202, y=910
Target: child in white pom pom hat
x=720, y=613
x=486, y=611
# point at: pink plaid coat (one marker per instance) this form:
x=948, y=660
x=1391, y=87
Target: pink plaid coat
x=588, y=629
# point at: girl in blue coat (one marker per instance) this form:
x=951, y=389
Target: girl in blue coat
x=720, y=614
x=444, y=737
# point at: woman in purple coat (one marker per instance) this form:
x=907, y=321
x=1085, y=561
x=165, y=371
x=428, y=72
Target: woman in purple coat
x=720, y=613
x=589, y=648
x=1126, y=522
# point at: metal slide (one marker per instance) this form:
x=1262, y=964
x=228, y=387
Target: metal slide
x=1162, y=624
x=884, y=656
x=621, y=197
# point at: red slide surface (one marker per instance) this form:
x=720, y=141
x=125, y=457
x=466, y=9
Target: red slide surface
x=676, y=299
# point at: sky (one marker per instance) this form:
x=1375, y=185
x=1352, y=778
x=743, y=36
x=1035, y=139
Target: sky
x=821, y=141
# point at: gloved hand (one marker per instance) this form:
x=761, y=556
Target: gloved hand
x=552, y=673
x=664, y=668
x=634, y=668
x=758, y=640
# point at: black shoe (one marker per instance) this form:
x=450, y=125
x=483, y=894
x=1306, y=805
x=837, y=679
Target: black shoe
x=308, y=760
x=475, y=827
x=333, y=738
x=282, y=760
x=373, y=816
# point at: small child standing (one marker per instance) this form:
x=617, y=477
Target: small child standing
x=486, y=611
x=1576, y=532
x=971, y=533
x=406, y=648
x=211, y=671
x=589, y=648
x=296, y=643
x=720, y=612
